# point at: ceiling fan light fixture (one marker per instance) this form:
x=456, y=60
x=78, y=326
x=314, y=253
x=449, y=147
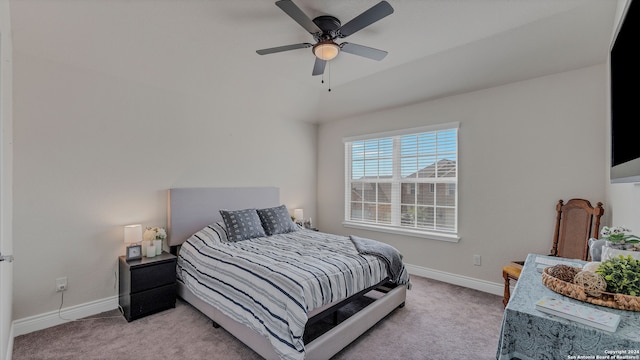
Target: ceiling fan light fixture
x=326, y=50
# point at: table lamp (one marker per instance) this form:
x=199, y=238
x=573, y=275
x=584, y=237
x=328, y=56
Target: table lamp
x=133, y=235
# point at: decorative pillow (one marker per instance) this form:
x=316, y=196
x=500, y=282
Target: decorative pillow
x=276, y=220
x=242, y=224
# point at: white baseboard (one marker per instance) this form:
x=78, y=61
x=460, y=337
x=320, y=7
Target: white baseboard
x=455, y=279
x=47, y=320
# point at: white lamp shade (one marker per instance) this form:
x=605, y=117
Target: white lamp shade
x=298, y=214
x=133, y=233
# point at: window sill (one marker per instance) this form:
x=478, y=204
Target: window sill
x=403, y=231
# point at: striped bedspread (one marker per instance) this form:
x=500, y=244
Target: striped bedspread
x=270, y=283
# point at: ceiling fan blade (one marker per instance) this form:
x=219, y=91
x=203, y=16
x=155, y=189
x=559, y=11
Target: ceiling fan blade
x=365, y=19
x=318, y=67
x=364, y=51
x=283, y=48
x=296, y=14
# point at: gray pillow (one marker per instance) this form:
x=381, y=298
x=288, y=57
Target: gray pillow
x=242, y=224
x=276, y=220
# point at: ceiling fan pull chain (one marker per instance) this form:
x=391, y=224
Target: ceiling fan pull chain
x=329, y=75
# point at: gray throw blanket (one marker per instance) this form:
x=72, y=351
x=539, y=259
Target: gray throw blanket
x=386, y=252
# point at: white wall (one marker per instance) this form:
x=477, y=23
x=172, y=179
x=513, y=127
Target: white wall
x=96, y=150
x=522, y=147
x=625, y=199
x=116, y=102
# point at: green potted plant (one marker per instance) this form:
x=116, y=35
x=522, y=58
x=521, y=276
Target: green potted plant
x=619, y=241
x=622, y=275
x=617, y=237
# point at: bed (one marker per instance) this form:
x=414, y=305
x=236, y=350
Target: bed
x=268, y=272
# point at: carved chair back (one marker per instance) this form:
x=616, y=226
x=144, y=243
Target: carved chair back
x=576, y=222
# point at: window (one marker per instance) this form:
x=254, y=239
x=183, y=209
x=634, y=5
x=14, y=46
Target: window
x=404, y=181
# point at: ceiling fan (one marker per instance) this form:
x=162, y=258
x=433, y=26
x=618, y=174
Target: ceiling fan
x=326, y=29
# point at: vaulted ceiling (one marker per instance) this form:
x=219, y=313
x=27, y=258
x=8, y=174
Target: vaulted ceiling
x=436, y=47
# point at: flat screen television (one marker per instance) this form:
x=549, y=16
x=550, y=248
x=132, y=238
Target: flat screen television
x=625, y=107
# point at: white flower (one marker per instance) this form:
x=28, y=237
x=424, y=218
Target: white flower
x=149, y=234
x=154, y=233
x=161, y=234
x=618, y=234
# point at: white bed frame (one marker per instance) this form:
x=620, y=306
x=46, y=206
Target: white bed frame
x=191, y=209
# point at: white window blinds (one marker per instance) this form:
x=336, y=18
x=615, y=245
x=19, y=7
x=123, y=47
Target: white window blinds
x=404, y=180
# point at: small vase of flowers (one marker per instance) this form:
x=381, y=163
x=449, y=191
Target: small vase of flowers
x=619, y=241
x=619, y=237
x=155, y=235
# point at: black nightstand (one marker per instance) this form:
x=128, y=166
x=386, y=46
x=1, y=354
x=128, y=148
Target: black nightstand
x=147, y=285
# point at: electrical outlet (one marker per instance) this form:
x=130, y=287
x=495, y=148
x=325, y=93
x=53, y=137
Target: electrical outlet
x=477, y=260
x=61, y=284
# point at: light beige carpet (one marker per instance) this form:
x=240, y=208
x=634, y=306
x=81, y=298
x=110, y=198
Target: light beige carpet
x=439, y=321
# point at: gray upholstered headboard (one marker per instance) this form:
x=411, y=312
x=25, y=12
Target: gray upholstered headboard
x=191, y=209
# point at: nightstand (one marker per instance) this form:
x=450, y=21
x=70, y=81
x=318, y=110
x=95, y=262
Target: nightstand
x=147, y=285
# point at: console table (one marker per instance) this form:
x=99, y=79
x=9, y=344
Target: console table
x=528, y=334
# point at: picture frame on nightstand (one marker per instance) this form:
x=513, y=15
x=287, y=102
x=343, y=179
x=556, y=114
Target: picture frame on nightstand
x=134, y=252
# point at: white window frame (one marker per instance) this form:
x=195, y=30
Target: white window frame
x=395, y=227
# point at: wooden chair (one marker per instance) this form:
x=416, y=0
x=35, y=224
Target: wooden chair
x=576, y=222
